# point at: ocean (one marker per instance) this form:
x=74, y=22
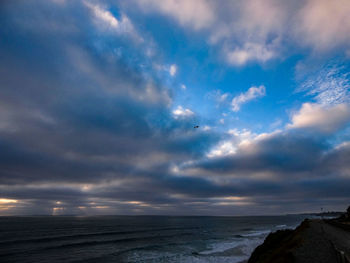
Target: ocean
x=136, y=238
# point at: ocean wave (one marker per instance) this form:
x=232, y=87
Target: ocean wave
x=281, y=226
x=257, y=233
x=122, y=240
x=87, y=235
x=235, y=247
x=98, y=243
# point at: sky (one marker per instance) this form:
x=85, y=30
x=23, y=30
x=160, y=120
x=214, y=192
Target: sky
x=99, y=99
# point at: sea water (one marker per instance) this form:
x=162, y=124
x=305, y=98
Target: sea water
x=136, y=238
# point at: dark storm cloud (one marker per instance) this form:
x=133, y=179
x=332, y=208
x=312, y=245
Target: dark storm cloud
x=284, y=167
x=290, y=155
x=71, y=115
x=286, y=152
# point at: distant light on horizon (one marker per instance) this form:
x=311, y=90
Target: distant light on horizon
x=7, y=201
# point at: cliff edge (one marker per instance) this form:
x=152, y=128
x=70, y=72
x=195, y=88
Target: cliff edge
x=313, y=241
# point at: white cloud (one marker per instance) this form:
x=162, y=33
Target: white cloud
x=197, y=14
x=324, y=24
x=319, y=118
x=239, y=139
x=206, y=128
x=103, y=15
x=330, y=86
x=218, y=96
x=242, y=136
x=227, y=21
x=250, y=52
x=223, y=149
x=250, y=94
x=256, y=31
x=182, y=112
x=172, y=70
x=105, y=20
x=223, y=97
x=183, y=87
x=241, y=142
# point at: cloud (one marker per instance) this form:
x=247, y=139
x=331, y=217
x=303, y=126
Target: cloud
x=223, y=97
x=238, y=139
x=272, y=156
x=250, y=52
x=293, y=166
x=207, y=128
x=181, y=112
x=183, y=87
x=329, y=86
x=323, y=24
x=223, y=149
x=322, y=119
x=220, y=97
x=86, y=131
x=172, y=70
x=235, y=27
x=103, y=15
x=101, y=120
x=254, y=32
x=105, y=20
x=251, y=94
x=196, y=15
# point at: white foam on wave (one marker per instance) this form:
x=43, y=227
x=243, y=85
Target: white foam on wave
x=257, y=233
x=251, y=245
x=281, y=226
x=232, y=251
x=239, y=249
x=208, y=259
x=220, y=247
x=159, y=257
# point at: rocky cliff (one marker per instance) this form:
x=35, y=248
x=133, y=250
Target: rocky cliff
x=313, y=241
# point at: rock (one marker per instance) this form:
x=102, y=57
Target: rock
x=278, y=246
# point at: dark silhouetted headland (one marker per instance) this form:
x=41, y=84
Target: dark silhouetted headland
x=313, y=241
